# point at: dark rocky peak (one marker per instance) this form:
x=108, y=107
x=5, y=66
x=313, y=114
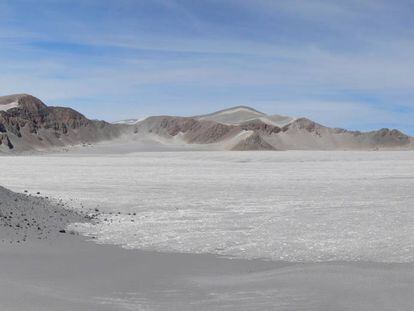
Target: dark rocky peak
x=31, y=103
x=260, y=126
x=25, y=102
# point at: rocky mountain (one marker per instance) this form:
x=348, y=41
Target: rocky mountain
x=26, y=123
x=244, y=128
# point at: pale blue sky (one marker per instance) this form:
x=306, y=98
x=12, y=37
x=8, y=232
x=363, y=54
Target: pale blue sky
x=342, y=63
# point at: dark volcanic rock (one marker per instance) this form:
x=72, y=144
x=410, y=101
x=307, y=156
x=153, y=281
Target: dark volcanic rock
x=260, y=126
x=4, y=140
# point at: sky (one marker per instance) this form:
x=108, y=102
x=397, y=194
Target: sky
x=343, y=63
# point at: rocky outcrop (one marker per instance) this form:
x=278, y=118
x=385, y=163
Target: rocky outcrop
x=5, y=141
x=26, y=123
x=253, y=142
x=260, y=126
x=190, y=130
x=390, y=138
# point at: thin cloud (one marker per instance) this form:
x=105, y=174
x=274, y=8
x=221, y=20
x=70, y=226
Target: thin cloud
x=327, y=52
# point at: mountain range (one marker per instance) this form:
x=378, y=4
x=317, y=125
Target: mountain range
x=26, y=123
